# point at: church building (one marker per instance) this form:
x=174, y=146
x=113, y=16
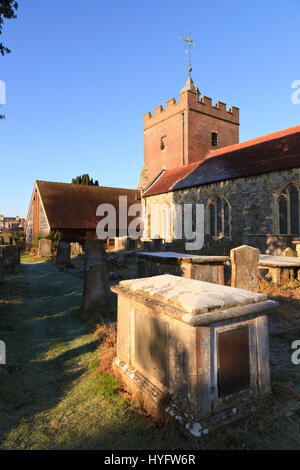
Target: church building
x=250, y=191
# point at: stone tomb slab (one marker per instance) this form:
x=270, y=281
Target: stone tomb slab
x=201, y=268
x=200, y=342
x=281, y=268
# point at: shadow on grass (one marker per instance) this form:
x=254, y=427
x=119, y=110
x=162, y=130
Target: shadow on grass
x=46, y=341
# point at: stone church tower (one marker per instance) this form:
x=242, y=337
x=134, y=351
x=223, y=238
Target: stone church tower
x=185, y=132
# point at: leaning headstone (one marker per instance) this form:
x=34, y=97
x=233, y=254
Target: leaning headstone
x=2, y=271
x=95, y=290
x=245, y=272
x=44, y=248
x=63, y=254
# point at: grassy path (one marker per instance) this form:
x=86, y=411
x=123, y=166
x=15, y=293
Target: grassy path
x=51, y=395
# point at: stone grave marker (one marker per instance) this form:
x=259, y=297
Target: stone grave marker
x=10, y=257
x=44, y=250
x=63, y=254
x=245, y=271
x=95, y=290
x=76, y=249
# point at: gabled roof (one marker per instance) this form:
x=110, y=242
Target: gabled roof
x=72, y=206
x=166, y=180
x=274, y=152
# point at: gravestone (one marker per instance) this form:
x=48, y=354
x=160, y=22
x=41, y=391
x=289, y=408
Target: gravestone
x=245, y=271
x=2, y=271
x=63, y=254
x=94, y=252
x=44, y=248
x=10, y=257
x=289, y=252
x=95, y=290
x=76, y=249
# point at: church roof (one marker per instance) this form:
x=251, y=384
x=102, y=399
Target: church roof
x=274, y=152
x=72, y=206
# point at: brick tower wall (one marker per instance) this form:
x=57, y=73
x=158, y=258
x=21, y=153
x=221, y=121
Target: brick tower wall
x=187, y=125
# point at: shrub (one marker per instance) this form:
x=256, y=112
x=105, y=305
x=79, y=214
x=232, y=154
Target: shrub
x=54, y=235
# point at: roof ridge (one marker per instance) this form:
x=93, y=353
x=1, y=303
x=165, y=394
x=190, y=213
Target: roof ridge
x=86, y=186
x=255, y=141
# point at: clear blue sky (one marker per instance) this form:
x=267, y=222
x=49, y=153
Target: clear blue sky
x=82, y=74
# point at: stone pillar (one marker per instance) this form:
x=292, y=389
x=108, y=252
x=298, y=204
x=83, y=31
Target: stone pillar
x=63, y=254
x=245, y=273
x=44, y=250
x=95, y=290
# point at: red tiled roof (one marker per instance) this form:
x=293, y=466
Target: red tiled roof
x=168, y=178
x=74, y=206
x=256, y=141
x=273, y=152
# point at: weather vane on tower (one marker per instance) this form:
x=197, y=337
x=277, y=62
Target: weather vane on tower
x=189, y=41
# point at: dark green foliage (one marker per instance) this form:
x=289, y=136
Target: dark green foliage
x=55, y=236
x=19, y=239
x=85, y=180
x=8, y=10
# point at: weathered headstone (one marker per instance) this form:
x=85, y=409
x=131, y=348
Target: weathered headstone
x=245, y=271
x=289, y=252
x=10, y=257
x=63, y=254
x=94, y=252
x=2, y=271
x=76, y=249
x=95, y=290
x=44, y=248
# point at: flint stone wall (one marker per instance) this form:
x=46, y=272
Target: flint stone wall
x=253, y=211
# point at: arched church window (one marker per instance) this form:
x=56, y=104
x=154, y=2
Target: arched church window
x=288, y=211
x=219, y=217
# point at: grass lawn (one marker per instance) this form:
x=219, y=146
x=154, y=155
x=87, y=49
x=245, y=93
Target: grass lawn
x=52, y=395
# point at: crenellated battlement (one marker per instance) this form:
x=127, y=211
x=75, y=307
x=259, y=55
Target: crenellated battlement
x=190, y=99
x=185, y=130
